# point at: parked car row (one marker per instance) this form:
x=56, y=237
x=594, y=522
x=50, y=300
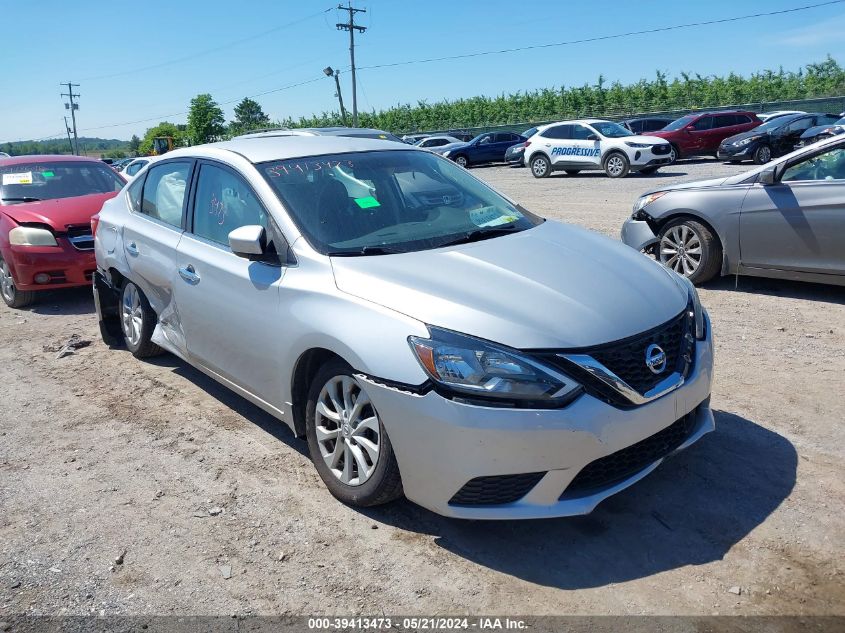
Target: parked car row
x=380, y=300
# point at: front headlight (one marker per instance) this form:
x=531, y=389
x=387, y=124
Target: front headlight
x=447, y=152
x=638, y=145
x=745, y=141
x=478, y=369
x=31, y=236
x=646, y=200
x=698, y=310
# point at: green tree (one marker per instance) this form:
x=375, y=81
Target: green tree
x=162, y=129
x=205, y=120
x=248, y=116
x=134, y=145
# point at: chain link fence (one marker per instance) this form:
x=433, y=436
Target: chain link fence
x=832, y=105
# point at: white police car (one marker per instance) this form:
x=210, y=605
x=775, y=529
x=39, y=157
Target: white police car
x=572, y=146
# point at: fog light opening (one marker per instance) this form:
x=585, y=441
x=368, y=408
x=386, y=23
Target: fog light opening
x=42, y=278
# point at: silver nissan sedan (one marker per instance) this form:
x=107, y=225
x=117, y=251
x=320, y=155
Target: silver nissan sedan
x=427, y=335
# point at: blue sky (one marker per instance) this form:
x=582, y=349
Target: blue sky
x=242, y=49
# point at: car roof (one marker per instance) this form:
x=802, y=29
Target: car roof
x=52, y=158
x=266, y=147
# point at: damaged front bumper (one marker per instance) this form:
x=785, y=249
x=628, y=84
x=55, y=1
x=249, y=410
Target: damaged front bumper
x=638, y=234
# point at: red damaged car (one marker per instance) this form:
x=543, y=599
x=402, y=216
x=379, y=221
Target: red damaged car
x=700, y=133
x=46, y=205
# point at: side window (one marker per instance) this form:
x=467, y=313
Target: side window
x=723, y=120
x=704, y=123
x=134, y=168
x=829, y=165
x=484, y=140
x=800, y=125
x=164, y=192
x=223, y=203
x=134, y=192
x=558, y=132
x=742, y=119
x=580, y=133
x=437, y=142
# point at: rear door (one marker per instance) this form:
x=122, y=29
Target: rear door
x=230, y=305
x=798, y=223
x=151, y=234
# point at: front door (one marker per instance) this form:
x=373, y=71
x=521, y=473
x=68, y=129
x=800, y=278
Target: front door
x=230, y=305
x=699, y=135
x=798, y=223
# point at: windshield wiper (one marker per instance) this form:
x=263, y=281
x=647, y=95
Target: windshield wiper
x=365, y=250
x=480, y=234
x=23, y=199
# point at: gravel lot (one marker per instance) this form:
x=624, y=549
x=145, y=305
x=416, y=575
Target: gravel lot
x=214, y=508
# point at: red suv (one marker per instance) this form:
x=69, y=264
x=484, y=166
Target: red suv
x=46, y=204
x=700, y=133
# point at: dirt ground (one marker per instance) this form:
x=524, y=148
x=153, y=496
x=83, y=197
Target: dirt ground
x=212, y=507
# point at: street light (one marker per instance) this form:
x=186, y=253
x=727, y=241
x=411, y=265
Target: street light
x=328, y=71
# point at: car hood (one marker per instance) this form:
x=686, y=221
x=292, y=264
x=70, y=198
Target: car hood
x=813, y=131
x=443, y=148
x=60, y=213
x=743, y=135
x=662, y=133
x=553, y=286
x=643, y=138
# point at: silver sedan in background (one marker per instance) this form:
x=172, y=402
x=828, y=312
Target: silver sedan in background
x=785, y=219
x=426, y=334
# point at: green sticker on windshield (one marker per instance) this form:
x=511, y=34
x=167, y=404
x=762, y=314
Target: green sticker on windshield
x=367, y=203
x=47, y=174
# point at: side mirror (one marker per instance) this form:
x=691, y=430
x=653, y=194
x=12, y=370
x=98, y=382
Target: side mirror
x=767, y=177
x=249, y=242
x=592, y=137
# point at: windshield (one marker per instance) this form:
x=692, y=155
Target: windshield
x=679, y=124
x=529, y=132
x=610, y=130
x=30, y=182
x=367, y=203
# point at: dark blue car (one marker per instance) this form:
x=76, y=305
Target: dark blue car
x=489, y=147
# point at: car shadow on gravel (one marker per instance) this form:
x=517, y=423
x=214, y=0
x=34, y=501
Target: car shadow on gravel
x=780, y=288
x=691, y=511
x=229, y=399
x=67, y=302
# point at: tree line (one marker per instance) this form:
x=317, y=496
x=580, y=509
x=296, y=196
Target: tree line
x=206, y=121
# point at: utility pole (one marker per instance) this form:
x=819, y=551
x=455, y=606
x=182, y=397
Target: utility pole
x=352, y=27
x=73, y=107
x=330, y=72
x=70, y=142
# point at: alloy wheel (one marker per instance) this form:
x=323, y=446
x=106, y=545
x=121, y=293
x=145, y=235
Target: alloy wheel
x=131, y=315
x=615, y=165
x=673, y=155
x=348, y=430
x=765, y=154
x=7, y=283
x=680, y=250
x=460, y=160
x=539, y=167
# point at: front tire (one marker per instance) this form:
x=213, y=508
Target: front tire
x=347, y=441
x=462, y=161
x=13, y=297
x=617, y=165
x=674, y=154
x=762, y=154
x=690, y=249
x=137, y=322
x=540, y=166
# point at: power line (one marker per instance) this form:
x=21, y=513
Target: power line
x=208, y=50
x=601, y=37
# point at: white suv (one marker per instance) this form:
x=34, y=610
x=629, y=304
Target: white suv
x=572, y=146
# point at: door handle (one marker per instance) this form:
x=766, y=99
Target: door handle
x=548, y=144
x=132, y=248
x=189, y=274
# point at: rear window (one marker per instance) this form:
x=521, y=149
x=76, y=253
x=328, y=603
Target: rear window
x=30, y=182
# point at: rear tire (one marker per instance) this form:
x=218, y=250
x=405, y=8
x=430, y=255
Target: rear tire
x=347, y=441
x=137, y=322
x=690, y=249
x=617, y=165
x=13, y=297
x=540, y=166
x=762, y=154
